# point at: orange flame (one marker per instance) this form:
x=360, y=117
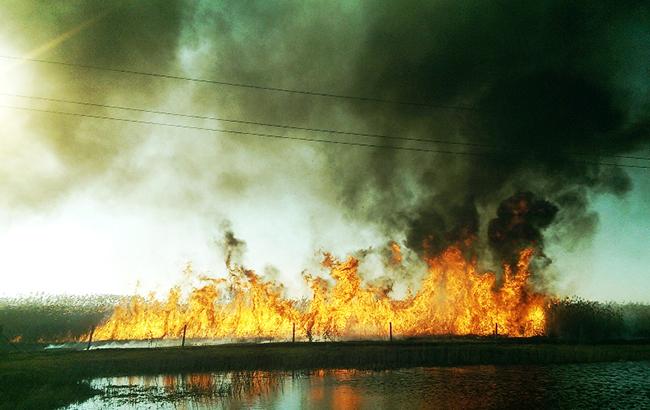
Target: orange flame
x=396, y=253
x=454, y=298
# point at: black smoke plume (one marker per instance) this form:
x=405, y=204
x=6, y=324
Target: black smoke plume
x=545, y=93
x=519, y=224
x=232, y=247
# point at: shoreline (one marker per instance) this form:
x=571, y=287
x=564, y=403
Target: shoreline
x=58, y=377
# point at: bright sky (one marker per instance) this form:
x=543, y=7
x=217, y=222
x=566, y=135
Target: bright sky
x=615, y=265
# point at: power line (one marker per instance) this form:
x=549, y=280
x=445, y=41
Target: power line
x=244, y=85
x=321, y=130
x=265, y=124
x=275, y=136
x=257, y=134
x=292, y=91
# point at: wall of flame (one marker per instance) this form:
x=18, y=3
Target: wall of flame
x=454, y=298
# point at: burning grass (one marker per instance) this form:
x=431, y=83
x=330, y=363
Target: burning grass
x=454, y=298
x=32, y=325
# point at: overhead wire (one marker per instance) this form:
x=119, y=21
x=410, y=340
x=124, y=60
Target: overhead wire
x=244, y=85
x=310, y=129
x=286, y=90
x=294, y=138
x=238, y=121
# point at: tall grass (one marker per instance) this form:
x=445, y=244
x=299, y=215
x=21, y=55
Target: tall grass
x=588, y=321
x=51, y=318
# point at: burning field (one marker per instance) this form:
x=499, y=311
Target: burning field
x=454, y=298
x=468, y=134
x=419, y=183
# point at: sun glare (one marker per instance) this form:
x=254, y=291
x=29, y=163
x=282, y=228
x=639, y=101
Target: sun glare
x=13, y=79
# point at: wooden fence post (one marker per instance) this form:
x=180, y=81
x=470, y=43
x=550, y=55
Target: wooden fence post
x=90, y=338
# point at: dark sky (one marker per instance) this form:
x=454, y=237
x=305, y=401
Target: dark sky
x=544, y=91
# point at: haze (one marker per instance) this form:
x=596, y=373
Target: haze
x=100, y=206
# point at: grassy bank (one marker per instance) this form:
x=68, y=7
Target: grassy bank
x=54, y=378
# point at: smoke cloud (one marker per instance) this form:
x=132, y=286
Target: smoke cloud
x=233, y=248
x=545, y=92
x=519, y=224
x=550, y=98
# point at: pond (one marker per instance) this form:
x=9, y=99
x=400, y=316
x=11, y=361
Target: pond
x=600, y=385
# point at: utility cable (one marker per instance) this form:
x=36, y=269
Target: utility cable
x=286, y=137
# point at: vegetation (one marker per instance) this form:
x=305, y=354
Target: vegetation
x=51, y=318
x=578, y=331
x=582, y=320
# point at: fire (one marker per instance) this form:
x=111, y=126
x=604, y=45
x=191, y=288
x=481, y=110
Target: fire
x=454, y=298
x=396, y=253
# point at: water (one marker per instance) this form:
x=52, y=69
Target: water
x=599, y=385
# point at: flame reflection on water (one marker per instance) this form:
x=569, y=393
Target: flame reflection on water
x=616, y=385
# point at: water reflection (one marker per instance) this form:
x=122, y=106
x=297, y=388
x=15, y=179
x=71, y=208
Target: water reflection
x=615, y=385
x=197, y=390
